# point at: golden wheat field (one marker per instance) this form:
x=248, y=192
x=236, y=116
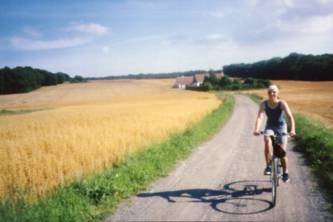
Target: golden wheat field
x=87, y=127
x=314, y=99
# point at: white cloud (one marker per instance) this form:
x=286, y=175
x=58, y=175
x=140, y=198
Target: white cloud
x=212, y=13
x=308, y=26
x=90, y=28
x=289, y=3
x=253, y=3
x=30, y=31
x=209, y=13
x=216, y=14
x=84, y=33
x=325, y=2
x=215, y=36
x=164, y=39
x=319, y=24
x=106, y=50
x=30, y=44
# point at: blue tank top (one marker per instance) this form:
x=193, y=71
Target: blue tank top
x=275, y=117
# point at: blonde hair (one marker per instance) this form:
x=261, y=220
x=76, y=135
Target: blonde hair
x=273, y=88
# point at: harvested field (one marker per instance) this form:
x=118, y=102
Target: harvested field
x=86, y=128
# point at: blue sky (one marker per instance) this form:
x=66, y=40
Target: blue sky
x=114, y=37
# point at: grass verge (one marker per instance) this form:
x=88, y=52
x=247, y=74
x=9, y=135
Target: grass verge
x=316, y=143
x=95, y=197
x=20, y=111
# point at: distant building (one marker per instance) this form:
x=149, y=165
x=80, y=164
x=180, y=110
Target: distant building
x=219, y=75
x=183, y=81
x=194, y=81
x=199, y=79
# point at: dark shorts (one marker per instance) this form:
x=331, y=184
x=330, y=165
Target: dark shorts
x=279, y=131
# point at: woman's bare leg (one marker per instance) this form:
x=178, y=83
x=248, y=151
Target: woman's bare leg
x=284, y=160
x=268, y=149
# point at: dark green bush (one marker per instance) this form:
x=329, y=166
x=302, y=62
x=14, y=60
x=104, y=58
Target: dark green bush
x=225, y=82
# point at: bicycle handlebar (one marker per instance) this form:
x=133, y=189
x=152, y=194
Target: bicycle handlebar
x=274, y=135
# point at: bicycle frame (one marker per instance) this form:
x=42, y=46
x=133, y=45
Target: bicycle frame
x=276, y=169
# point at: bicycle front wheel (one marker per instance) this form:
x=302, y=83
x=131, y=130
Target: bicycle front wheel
x=274, y=180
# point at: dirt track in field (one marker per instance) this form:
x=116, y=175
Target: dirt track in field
x=223, y=181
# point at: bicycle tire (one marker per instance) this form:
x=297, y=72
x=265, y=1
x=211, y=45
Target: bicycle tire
x=279, y=171
x=274, y=180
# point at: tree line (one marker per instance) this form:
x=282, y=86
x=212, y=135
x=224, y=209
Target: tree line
x=165, y=75
x=294, y=67
x=26, y=79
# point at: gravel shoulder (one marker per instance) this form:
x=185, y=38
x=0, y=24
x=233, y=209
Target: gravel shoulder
x=223, y=181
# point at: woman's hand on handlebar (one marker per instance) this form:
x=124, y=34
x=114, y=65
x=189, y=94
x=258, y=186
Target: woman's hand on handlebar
x=256, y=133
x=292, y=133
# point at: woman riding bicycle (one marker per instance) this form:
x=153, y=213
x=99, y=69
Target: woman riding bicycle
x=275, y=109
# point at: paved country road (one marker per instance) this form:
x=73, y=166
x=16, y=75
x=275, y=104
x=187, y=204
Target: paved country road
x=223, y=181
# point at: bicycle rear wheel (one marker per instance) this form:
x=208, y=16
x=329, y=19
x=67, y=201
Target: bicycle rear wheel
x=274, y=180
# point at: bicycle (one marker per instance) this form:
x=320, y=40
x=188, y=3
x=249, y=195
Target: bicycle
x=275, y=166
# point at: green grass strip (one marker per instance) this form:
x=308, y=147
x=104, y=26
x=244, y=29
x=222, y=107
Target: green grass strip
x=316, y=143
x=20, y=111
x=97, y=196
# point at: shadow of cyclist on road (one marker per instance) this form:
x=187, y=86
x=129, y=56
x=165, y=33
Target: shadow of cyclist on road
x=231, y=192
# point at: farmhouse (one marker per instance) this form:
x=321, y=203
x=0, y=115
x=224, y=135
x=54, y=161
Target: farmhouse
x=199, y=79
x=194, y=81
x=183, y=81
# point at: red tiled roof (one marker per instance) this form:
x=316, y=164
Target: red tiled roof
x=200, y=77
x=185, y=80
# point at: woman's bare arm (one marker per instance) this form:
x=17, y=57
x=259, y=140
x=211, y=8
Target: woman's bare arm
x=259, y=119
x=286, y=109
